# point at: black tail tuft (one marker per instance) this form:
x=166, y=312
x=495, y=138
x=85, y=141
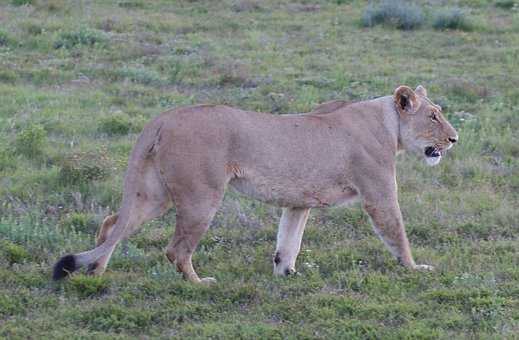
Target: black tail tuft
x=65, y=266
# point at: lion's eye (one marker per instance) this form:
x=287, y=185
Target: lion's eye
x=434, y=118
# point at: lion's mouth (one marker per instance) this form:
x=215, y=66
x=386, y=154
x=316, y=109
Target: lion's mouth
x=432, y=152
x=433, y=155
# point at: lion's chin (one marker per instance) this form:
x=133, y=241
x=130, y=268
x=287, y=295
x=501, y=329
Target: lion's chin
x=432, y=161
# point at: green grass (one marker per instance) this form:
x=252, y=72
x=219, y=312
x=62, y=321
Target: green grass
x=79, y=79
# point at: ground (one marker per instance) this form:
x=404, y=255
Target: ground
x=79, y=79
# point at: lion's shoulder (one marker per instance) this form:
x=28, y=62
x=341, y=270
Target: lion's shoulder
x=330, y=106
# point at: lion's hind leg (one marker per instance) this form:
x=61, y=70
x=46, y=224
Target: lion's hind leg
x=193, y=217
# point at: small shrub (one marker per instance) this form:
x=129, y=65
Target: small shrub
x=453, y=18
x=87, y=286
x=115, y=318
x=131, y=4
x=10, y=305
x=246, y=6
x=463, y=89
x=118, y=124
x=13, y=253
x=396, y=13
x=233, y=74
x=82, y=37
x=4, y=39
x=6, y=160
x=8, y=76
x=173, y=71
x=53, y=5
x=139, y=75
x=506, y=4
x=31, y=141
x=22, y=2
x=84, y=167
x=79, y=222
x=33, y=28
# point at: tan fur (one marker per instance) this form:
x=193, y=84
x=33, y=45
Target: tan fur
x=334, y=155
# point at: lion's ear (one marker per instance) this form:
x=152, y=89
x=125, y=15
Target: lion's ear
x=405, y=100
x=421, y=91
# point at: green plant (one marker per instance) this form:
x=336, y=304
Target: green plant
x=398, y=13
x=81, y=222
x=506, y=4
x=34, y=28
x=453, y=18
x=139, y=75
x=87, y=286
x=9, y=305
x=8, y=76
x=116, y=124
x=132, y=4
x=81, y=37
x=6, y=160
x=31, y=140
x=22, y=2
x=4, y=38
x=83, y=167
x=13, y=252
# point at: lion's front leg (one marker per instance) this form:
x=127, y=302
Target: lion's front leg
x=388, y=224
x=290, y=234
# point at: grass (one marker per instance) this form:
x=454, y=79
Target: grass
x=80, y=79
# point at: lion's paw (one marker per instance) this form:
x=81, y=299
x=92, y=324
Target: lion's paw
x=208, y=281
x=423, y=267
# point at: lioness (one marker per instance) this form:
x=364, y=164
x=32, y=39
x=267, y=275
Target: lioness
x=341, y=152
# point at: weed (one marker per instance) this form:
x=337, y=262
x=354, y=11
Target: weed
x=79, y=222
x=31, y=140
x=9, y=305
x=53, y=5
x=139, y=75
x=83, y=167
x=33, y=28
x=506, y=4
x=246, y=6
x=464, y=89
x=8, y=76
x=81, y=37
x=453, y=18
x=4, y=38
x=115, y=318
x=397, y=13
x=6, y=159
x=131, y=4
x=86, y=286
x=22, y=2
x=117, y=124
x=13, y=253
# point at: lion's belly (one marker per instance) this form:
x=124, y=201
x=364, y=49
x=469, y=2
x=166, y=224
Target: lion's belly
x=289, y=193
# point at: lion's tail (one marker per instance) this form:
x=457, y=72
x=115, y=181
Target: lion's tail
x=126, y=216
x=72, y=262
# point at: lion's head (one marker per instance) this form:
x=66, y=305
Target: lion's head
x=423, y=128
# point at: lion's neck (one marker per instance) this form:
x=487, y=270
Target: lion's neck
x=381, y=114
x=391, y=121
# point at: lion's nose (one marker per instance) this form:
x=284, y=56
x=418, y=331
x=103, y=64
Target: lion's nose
x=453, y=139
